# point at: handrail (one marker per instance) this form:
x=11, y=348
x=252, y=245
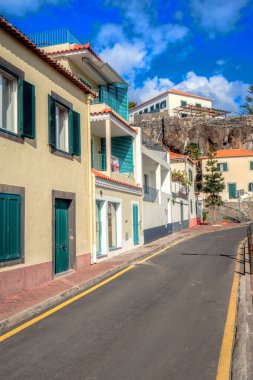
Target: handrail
x=99, y=162
x=150, y=194
x=122, y=166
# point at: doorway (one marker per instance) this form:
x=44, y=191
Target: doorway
x=61, y=235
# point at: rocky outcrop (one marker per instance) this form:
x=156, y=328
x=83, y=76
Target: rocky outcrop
x=176, y=133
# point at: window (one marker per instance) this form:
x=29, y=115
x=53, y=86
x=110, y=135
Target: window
x=163, y=104
x=64, y=128
x=183, y=103
x=145, y=183
x=152, y=108
x=146, y=110
x=8, y=102
x=198, y=105
x=251, y=186
x=251, y=165
x=17, y=105
x=191, y=206
x=157, y=106
x=222, y=167
x=190, y=176
x=140, y=112
x=112, y=224
x=10, y=227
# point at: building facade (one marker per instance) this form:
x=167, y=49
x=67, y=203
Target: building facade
x=186, y=207
x=45, y=186
x=236, y=166
x=117, y=197
x=169, y=101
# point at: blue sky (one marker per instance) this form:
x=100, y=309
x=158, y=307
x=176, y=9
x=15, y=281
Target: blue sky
x=201, y=46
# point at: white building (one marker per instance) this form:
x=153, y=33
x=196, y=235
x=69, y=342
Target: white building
x=186, y=204
x=170, y=101
x=155, y=178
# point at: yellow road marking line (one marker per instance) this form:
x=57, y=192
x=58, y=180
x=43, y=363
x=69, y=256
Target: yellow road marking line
x=225, y=360
x=78, y=296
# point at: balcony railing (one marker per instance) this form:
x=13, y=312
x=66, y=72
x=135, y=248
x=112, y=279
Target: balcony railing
x=150, y=194
x=121, y=166
x=117, y=165
x=99, y=162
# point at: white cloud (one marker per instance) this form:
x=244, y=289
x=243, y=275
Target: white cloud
x=133, y=48
x=220, y=62
x=21, y=7
x=217, y=15
x=227, y=94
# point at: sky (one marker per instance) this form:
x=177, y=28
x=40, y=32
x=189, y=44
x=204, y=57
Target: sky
x=199, y=46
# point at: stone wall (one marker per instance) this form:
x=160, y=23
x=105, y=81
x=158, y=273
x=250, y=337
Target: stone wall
x=176, y=133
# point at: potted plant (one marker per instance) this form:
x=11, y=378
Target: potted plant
x=204, y=216
x=225, y=219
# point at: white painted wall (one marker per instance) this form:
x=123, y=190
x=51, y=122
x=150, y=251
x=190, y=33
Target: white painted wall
x=174, y=100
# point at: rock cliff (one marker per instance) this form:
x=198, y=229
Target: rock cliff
x=176, y=133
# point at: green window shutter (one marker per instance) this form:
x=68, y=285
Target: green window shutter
x=251, y=165
x=51, y=122
x=76, y=134
x=26, y=109
x=183, y=103
x=70, y=131
x=251, y=186
x=218, y=167
x=10, y=226
x=225, y=167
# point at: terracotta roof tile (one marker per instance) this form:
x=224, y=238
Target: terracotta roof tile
x=233, y=153
x=76, y=47
x=174, y=156
x=112, y=112
x=107, y=178
x=18, y=35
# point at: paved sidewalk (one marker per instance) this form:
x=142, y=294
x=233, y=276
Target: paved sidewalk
x=19, y=307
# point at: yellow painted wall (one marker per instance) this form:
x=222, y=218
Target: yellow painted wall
x=38, y=170
x=238, y=172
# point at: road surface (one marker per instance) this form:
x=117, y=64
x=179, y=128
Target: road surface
x=162, y=320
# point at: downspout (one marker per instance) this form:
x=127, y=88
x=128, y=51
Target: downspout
x=91, y=193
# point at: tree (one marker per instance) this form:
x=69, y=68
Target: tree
x=213, y=184
x=248, y=106
x=131, y=104
x=193, y=151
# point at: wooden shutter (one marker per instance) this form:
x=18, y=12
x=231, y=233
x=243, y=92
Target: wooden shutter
x=76, y=134
x=225, y=167
x=26, y=109
x=51, y=121
x=10, y=227
x=251, y=165
x=251, y=186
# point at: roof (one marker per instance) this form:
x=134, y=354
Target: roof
x=112, y=112
x=178, y=156
x=173, y=91
x=233, y=153
x=76, y=47
x=107, y=178
x=23, y=39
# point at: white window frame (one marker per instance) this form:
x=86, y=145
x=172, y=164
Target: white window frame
x=66, y=121
x=15, y=116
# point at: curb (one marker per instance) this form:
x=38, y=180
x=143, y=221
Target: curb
x=36, y=309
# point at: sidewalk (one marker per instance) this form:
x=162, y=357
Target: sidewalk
x=19, y=307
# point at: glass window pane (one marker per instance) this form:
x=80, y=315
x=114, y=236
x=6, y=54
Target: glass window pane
x=62, y=133
x=8, y=103
x=112, y=224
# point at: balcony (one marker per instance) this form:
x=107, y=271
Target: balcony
x=118, y=165
x=54, y=37
x=150, y=194
x=114, y=96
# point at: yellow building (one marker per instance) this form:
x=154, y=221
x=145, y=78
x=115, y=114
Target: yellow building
x=236, y=166
x=45, y=180
x=117, y=194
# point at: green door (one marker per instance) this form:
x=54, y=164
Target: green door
x=135, y=225
x=232, y=190
x=98, y=228
x=61, y=236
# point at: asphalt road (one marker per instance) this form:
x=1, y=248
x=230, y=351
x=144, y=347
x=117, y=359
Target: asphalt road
x=163, y=320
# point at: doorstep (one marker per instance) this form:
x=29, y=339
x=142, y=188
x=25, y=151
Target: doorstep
x=24, y=305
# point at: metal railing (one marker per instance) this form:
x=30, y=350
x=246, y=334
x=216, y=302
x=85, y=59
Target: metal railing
x=99, y=162
x=121, y=166
x=250, y=246
x=150, y=194
x=54, y=37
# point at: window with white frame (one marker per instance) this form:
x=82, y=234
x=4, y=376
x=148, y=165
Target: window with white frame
x=62, y=129
x=8, y=102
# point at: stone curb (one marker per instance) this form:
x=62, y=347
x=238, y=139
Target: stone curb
x=36, y=309
x=242, y=366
